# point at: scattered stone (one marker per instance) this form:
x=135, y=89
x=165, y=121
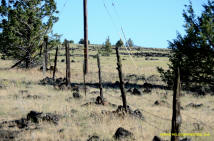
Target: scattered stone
x=34, y=116
x=47, y=81
x=160, y=102
x=185, y=139
x=99, y=100
x=136, y=92
x=61, y=130
x=22, y=123
x=138, y=114
x=76, y=95
x=50, y=117
x=147, y=90
x=117, y=83
x=32, y=96
x=94, y=138
x=194, y=105
x=122, y=133
x=73, y=111
x=147, y=85
x=156, y=138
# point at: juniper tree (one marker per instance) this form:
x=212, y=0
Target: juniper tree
x=23, y=26
x=195, y=50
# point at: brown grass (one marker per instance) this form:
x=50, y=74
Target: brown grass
x=88, y=120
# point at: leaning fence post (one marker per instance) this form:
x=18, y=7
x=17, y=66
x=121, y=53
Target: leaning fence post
x=176, y=116
x=68, y=74
x=100, y=78
x=45, y=61
x=119, y=68
x=55, y=63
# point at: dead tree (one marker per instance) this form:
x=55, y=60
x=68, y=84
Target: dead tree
x=68, y=74
x=119, y=68
x=45, y=61
x=176, y=116
x=55, y=63
x=100, y=78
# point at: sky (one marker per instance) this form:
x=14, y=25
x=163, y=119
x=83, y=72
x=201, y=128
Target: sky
x=149, y=23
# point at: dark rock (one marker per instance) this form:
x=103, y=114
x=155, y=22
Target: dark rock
x=50, y=117
x=52, y=68
x=130, y=90
x=75, y=88
x=47, y=81
x=94, y=138
x=117, y=83
x=22, y=123
x=194, y=105
x=138, y=114
x=34, y=116
x=63, y=60
x=156, y=138
x=99, y=100
x=73, y=111
x=147, y=90
x=76, y=95
x=147, y=85
x=185, y=139
x=61, y=130
x=122, y=133
x=136, y=92
x=73, y=61
x=160, y=102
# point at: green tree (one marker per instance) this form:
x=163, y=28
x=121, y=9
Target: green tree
x=193, y=52
x=23, y=27
x=119, y=43
x=83, y=42
x=107, y=48
x=130, y=43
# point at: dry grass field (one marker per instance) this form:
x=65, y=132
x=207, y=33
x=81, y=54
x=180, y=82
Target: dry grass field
x=20, y=93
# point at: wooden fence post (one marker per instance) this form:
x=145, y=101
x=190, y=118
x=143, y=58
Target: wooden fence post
x=45, y=61
x=68, y=74
x=119, y=68
x=55, y=63
x=176, y=116
x=100, y=78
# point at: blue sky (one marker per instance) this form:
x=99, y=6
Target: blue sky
x=149, y=23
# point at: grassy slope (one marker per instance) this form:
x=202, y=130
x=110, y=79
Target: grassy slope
x=89, y=120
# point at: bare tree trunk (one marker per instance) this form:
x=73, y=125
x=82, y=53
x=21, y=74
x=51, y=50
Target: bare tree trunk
x=100, y=78
x=55, y=63
x=85, y=37
x=68, y=74
x=119, y=68
x=176, y=116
